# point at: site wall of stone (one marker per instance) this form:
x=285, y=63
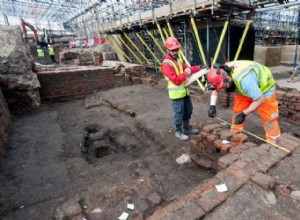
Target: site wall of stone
x=4, y=123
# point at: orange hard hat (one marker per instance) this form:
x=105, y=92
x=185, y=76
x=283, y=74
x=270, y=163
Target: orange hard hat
x=172, y=43
x=215, y=77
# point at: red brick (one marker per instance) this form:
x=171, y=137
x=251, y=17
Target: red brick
x=263, y=180
x=250, y=144
x=197, y=137
x=203, y=162
x=217, y=131
x=290, y=139
x=249, y=170
x=238, y=148
x=275, y=155
x=266, y=147
x=211, y=138
x=208, y=155
x=297, y=106
x=209, y=148
x=292, y=95
x=217, y=143
x=268, y=161
x=206, y=185
x=258, y=166
x=241, y=164
x=225, y=147
x=178, y=210
x=227, y=160
x=195, y=149
x=278, y=153
x=201, y=146
x=193, y=143
x=239, y=138
x=203, y=134
x=210, y=128
x=260, y=150
x=287, y=147
x=236, y=174
x=249, y=155
x=211, y=199
x=280, y=94
x=226, y=135
x=190, y=211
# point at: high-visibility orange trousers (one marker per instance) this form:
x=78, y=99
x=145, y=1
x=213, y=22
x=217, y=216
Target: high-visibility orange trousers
x=268, y=113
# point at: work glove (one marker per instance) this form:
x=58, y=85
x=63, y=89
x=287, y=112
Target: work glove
x=210, y=87
x=203, y=67
x=212, y=112
x=188, y=71
x=240, y=118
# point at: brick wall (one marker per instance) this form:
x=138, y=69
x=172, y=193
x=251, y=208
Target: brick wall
x=63, y=85
x=4, y=122
x=289, y=106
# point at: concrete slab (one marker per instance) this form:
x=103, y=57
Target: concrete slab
x=286, y=83
x=281, y=69
x=282, y=75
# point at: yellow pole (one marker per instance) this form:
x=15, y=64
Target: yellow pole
x=136, y=57
x=166, y=32
x=156, y=42
x=198, y=40
x=117, y=48
x=141, y=39
x=200, y=47
x=113, y=46
x=133, y=44
x=160, y=32
x=220, y=44
x=170, y=29
x=242, y=40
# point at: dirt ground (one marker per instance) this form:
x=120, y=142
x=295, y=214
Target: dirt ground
x=67, y=159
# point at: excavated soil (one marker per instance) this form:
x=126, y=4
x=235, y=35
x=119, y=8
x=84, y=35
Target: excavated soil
x=79, y=156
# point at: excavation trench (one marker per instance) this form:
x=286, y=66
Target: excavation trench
x=102, y=156
x=100, y=142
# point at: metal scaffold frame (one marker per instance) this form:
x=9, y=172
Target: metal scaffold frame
x=153, y=20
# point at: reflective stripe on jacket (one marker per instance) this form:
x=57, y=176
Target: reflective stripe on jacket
x=263, y=74
x=176, y=92
x=40, y=53
x=51, y=51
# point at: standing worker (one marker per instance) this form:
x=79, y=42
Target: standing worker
x=176, y=73
x=51, y=53
x=254, y=88
x=41, y=54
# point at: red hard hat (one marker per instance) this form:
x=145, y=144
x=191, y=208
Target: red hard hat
x=216, y=79
x=172, y=43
